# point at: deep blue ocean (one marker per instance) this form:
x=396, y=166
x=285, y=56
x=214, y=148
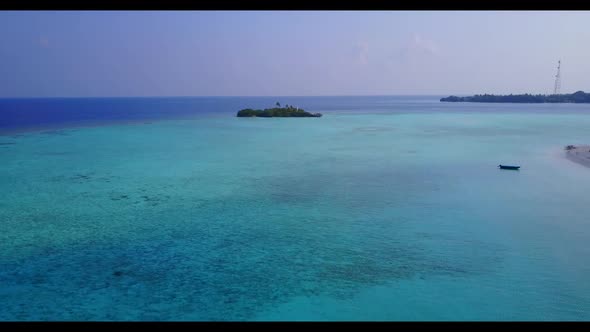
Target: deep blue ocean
x=386, y=208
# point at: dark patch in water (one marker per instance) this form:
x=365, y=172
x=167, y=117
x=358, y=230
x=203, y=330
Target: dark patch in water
x=106, y=179
x=55, y=133
x=155, y=200
x=82, y=177
x=220, y=265
x=85, y=177
x=7, y=143
x=56, y=153
x=119, y=197
x=382, y=187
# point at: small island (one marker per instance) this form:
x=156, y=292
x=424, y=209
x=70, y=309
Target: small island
x=577, y=97
x=278, y=112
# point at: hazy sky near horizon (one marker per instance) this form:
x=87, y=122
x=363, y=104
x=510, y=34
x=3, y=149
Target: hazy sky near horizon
x=282, y=53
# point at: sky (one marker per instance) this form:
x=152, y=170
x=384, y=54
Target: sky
x=291, y=53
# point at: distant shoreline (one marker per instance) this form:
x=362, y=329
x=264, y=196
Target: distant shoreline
x=579, y=97
x=579, y=154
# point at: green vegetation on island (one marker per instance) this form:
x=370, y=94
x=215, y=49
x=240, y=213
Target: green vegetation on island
x=279, y=112
x=577, y=97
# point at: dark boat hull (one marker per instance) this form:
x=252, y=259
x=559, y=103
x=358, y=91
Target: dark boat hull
x=509, y=167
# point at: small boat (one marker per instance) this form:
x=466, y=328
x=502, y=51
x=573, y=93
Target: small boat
x=508, y=167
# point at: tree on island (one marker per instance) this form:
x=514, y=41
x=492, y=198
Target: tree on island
x=278, y=104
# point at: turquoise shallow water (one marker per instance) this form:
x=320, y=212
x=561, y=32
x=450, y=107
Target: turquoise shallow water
x=370, y=215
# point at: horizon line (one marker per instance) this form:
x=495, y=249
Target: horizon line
x=222, y=96
x=265, y=96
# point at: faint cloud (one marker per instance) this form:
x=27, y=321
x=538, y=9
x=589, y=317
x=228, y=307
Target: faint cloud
x=418, y=45
x=424, y=45
x=43, y=42
x=362, y=53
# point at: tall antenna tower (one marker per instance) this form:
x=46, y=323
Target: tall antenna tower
x=557, y=79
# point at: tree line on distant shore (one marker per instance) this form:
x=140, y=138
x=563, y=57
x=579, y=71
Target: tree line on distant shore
x=577, y=97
